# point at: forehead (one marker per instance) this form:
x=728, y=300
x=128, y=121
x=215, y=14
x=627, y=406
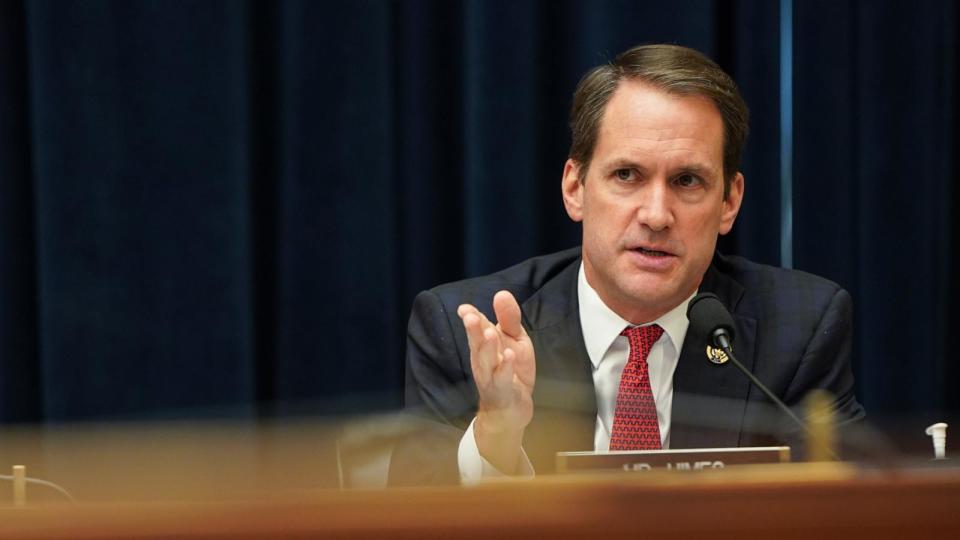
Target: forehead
x=642, y=121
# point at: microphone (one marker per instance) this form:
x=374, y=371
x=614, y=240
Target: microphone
x=708, y=316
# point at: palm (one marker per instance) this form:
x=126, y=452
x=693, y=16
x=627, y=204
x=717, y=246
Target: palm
x=503, y=361
x=525, y=363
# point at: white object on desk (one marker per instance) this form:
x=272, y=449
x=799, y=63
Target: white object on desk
x=939, y=433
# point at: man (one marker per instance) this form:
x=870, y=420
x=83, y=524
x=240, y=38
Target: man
x=589, y=349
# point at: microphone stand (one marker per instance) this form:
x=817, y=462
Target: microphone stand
x=722, y=339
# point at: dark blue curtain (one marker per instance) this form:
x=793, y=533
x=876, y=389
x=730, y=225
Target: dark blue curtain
x=875, y=174
x=226, y=207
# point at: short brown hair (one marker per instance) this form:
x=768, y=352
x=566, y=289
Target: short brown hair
x=674, y=69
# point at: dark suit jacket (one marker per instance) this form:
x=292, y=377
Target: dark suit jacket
x=793, y=330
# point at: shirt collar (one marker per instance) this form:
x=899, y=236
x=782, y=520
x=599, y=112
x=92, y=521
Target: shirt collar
x=601, y=325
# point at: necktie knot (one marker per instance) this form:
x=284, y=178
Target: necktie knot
x=641, y=339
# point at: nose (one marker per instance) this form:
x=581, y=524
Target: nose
x=655, y=210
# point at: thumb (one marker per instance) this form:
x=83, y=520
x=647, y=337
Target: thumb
x=508, y=314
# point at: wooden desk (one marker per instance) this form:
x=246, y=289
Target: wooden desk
x=783, y=502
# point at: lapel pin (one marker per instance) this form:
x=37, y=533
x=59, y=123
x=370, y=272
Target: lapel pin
x=717, y=356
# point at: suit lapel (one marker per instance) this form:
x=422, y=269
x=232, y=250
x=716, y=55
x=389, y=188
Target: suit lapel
x=566, y=407
x=709, y=400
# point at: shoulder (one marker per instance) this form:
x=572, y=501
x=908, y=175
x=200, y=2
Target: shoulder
x=522, y=280
x=764, y=279
x=783, y=295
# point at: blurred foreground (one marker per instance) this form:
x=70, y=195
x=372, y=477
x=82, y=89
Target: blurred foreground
x=248, y=460
x=293, y=479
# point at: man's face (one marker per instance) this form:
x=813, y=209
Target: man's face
x=652, y=204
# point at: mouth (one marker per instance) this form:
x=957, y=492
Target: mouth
x=651, y=252
x=649, y=259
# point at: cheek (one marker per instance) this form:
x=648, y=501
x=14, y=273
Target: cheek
x=604, y=224
x=699, y=231
x=705, y=221
x=593, y=239
x=599, y=241
x=609, y=212
x=703, y=239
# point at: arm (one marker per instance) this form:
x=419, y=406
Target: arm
x=826, y=365
x=439, y=398
x=826, y=362
x=441, y=391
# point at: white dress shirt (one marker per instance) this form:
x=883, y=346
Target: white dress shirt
x=608, y=352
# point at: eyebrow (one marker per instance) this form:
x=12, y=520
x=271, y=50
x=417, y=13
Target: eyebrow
x=693, y=168
x=697, y=169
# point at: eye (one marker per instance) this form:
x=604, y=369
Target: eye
x=688, y=180
x=625, y=175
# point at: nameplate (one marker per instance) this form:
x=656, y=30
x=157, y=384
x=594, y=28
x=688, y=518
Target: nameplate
x=692, y=459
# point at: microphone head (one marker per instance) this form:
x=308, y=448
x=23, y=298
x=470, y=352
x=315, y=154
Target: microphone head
x=707, y=314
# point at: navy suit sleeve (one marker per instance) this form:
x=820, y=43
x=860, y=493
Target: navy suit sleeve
x=440, y=397
x=437, y=379
x=826, y=362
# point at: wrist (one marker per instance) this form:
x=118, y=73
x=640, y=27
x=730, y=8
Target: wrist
x=495, y=425
x=499, y=444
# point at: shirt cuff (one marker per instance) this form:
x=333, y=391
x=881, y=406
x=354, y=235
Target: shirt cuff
x=473, y=468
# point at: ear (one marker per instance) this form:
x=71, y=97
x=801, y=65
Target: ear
x=572, y=190
x=731, y=205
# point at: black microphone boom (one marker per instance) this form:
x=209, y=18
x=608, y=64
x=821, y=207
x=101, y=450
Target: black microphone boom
x=708, y=316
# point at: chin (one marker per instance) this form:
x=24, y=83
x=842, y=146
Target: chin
x=649, y=296
x=646, y=284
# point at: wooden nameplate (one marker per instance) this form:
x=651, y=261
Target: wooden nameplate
x=693, y=459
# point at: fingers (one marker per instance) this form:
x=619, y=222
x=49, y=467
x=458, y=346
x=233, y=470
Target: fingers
x=474, y=323
x=503, y=375
x=463, y=309
x=492, y=360
x=508, y=314
x=487, y=358
x=483, y=341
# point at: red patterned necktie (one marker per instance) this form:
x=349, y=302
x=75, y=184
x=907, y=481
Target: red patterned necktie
x=635, y=424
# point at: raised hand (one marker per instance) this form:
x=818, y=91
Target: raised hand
x=504, y=368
